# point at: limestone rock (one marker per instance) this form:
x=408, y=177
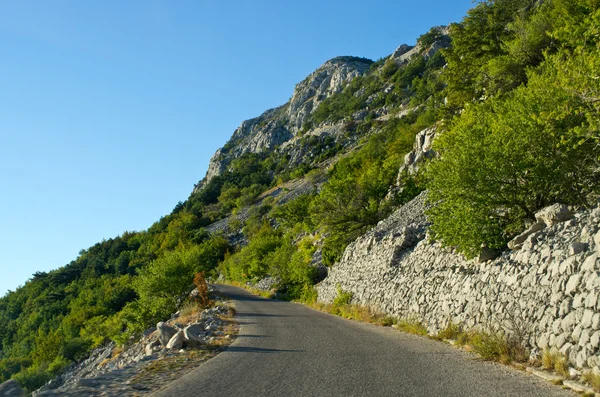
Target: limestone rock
x=403, y=49
x=422, y=150
x=487, y=254
x=554, y=214
x=277, y=126
x=194, y=333
x=165, y=333
x=590, y=263
x=11, y=388
x=176, y=342
x=577, y=247
x=518, y=241
x=572, y=284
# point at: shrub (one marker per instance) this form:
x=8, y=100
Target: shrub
x=412, y=326
x=503, y=160
x=202, y=288
x=499, y=347
x=32, y=378
x=593, y=378
x=452, y=331
x=342, y=298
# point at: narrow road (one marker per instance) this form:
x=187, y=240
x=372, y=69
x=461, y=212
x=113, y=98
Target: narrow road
x=286, y=349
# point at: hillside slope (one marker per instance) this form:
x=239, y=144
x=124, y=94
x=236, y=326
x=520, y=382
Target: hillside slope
x=496, y=117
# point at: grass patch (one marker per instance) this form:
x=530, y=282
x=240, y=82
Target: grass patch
x=412, y=326
x=453, y=332
x=556, y=362
x=593, y=378
x=499, y=347
x=188, y=311
x=342, y=307
x=354, y=312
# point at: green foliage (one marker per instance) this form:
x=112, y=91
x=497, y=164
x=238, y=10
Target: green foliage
x=477, y=40
x=368, y=90
x=433, y=35
x=353, y=199
x=33, y=378
x=247, y=177
x=163, y=285
x=251, y=262
x=499, y=347
x=504, y=159
x=295, y=211
x=343, y=297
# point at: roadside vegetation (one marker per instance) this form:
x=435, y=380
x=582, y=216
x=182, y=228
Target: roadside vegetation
x=517, y=101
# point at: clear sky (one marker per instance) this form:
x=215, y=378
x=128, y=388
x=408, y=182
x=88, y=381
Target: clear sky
x=110, y=110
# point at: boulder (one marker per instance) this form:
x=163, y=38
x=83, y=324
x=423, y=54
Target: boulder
x=176, y=342
x=553, y=214
x=165, y=333
x=11, y=388
x=194, y=333
x=149, y=349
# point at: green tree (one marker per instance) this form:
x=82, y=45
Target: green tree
x=504, y=159
x=163, y=285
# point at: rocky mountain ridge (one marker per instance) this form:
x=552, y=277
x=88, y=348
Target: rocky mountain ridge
x=276, y=126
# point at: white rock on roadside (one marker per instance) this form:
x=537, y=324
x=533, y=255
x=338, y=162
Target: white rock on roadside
x=176, y=342
x=165, y=333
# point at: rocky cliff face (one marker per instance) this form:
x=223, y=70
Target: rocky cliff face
x=405, y=52
x=277, y=126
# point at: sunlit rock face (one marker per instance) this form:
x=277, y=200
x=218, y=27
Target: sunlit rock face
x=279, y=125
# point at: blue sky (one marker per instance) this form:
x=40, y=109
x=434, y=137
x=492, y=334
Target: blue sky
x=110, y=111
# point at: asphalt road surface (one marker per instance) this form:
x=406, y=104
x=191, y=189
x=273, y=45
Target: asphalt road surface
x=286, y=349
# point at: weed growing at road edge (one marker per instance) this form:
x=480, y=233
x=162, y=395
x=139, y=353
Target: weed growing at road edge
x=412, y=326
x=499, y=347
x=593, y=378
x=555, y=361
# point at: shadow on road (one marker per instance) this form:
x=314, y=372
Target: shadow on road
x=243, y=314
x=247, y=297
x=253, y=336
x=247, y=349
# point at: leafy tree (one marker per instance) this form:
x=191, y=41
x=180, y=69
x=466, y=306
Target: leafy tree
x=476, y=40
x=165, y=282
x=504, y=159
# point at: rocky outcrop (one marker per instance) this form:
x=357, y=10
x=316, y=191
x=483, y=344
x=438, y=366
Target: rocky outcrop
x=404, y=53
x=11, y=388
x=277, y=126
x=322, y=83
x=422, y=150
x=176, y=342
x=546, y=289
x=165, y=333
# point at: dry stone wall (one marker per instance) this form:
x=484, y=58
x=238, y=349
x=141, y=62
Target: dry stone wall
x=546, y=288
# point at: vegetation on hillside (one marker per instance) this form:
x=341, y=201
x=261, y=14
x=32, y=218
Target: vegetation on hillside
x=534, y=139
x=517, y=97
